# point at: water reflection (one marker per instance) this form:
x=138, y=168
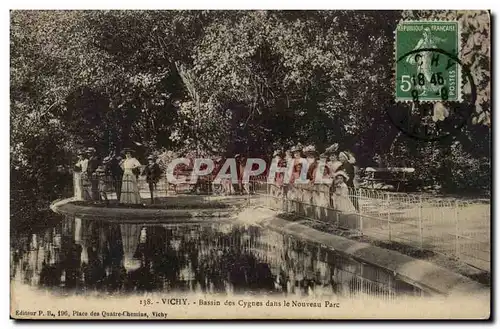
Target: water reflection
x=82, y=256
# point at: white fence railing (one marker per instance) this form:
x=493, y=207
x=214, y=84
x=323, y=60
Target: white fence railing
x=456, y=228
x=453, y=227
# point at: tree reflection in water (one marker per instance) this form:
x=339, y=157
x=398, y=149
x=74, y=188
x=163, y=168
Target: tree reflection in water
x=84, y=256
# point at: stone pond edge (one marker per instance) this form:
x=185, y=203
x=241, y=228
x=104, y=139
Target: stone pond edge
x=426, y=275
x=67, y=207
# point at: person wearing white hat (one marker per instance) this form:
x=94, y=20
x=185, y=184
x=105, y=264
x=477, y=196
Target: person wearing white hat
x=348, y=166
x=333, y=163
x=340, y=197
x=84, y=175
x=80, y=167
x=312, y=163
x=92, y=165
x=298, y=161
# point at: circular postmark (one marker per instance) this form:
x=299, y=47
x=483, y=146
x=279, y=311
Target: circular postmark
x=442, y=117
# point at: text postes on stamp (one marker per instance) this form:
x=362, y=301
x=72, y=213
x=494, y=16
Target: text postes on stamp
x=427, y=75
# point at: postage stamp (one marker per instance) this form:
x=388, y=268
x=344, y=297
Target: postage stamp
x=424, y=69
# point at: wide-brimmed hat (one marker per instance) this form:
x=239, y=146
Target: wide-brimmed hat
x=350, y=157
x=310, y=149
x=344, y=154
x=80, y=152
x=127, y=150
x=332, y=148
x=341, y=173
x=90, y=150
x=151, y=157
x=296, y=148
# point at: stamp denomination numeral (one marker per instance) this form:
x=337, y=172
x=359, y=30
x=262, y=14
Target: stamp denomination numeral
x=406, y=83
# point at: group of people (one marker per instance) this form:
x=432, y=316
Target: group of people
x=226, y=186
x=120, y=173
x=338, y=165
x=94, y=178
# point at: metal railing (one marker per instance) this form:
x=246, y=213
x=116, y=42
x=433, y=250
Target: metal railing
x=106, y=189
x=456, y=228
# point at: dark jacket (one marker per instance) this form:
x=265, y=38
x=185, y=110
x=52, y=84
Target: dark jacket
x=152, y=173
x=113, y=169
x=92, y=165
x=349, y=170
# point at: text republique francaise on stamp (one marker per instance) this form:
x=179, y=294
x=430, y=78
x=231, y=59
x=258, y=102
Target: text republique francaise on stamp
x=425, y=71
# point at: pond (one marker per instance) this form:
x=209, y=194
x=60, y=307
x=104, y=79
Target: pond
x=87, y=256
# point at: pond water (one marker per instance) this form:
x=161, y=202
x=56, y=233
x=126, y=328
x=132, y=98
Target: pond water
x=84, y=256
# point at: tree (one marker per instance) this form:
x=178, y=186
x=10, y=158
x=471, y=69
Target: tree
x=475, y=52
x=286, y=76
x=218, y=81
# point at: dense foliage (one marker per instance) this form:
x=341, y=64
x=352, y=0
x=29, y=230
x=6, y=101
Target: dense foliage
x=224, y=81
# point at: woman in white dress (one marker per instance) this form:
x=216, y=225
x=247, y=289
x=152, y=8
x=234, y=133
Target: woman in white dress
x=130, y=186
x=80, y=167
x=340, y=197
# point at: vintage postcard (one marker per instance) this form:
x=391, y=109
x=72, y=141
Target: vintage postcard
x=260, y=164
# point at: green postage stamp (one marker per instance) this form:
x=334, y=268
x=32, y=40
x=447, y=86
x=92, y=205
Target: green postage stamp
x=427, y=67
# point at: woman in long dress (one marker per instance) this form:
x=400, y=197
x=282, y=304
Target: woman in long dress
x=340, y=197
x=130, y=186
x=298, y=161
x=80, y=167
x=323, y=195
x=85, y=178
x=348, y=161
